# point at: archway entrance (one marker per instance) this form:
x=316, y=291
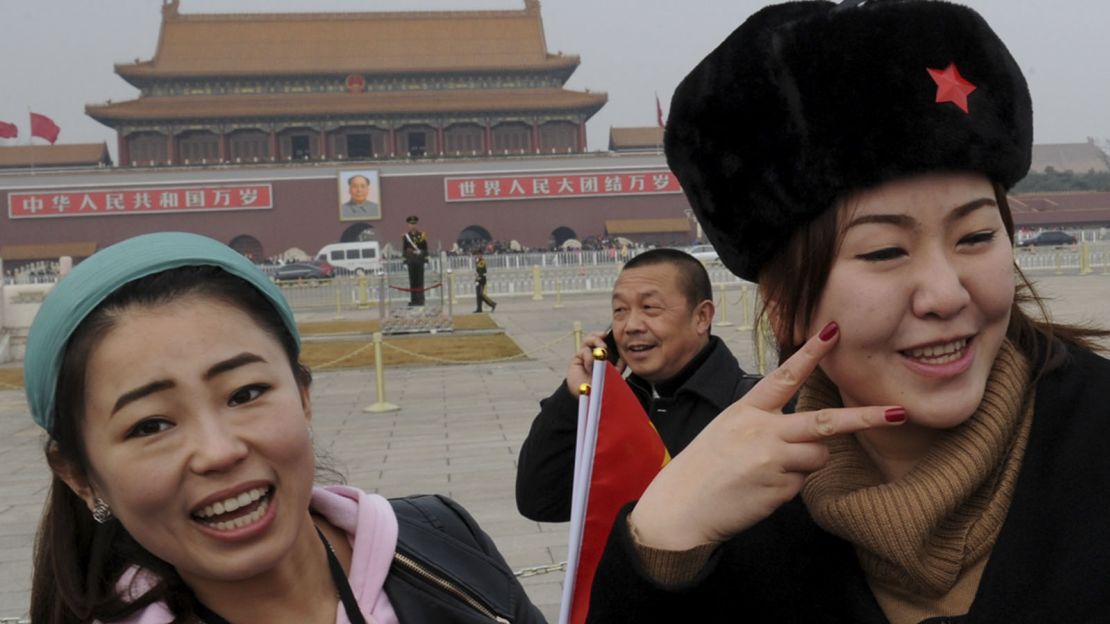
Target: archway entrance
x=561, y=235
x=248, y=246
x=473, y=238
x=357, y=232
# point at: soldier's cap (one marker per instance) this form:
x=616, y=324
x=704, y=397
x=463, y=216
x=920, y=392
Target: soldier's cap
x=807, y=102
x=91, y=282
x=412, y=219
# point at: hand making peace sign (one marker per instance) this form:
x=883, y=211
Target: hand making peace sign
x=750, y=460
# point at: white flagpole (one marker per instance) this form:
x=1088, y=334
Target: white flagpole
x=577, y=502
x=589, y=413
x=30, y=141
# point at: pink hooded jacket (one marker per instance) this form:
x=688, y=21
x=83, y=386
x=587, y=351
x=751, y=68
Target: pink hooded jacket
x=371, y=528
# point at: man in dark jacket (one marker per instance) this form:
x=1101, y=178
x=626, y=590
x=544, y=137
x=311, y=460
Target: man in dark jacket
x=682, y=375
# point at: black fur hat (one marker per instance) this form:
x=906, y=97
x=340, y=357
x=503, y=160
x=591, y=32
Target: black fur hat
x=807, y=101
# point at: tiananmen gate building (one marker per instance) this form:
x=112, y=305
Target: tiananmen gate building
x=254, y=128
x=318, y=86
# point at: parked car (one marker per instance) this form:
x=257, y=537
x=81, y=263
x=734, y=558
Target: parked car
x=706, y=253
x=304, y=270
x=356, y=257
x=1051, y=238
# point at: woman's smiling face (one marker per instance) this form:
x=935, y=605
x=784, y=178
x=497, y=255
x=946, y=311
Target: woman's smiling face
x=196, y=434
x=921, y=286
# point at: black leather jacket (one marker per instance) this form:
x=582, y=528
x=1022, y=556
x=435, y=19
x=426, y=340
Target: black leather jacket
x=447, y=570
x=545, y=471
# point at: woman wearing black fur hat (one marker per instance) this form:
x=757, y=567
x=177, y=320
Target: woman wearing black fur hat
x=946, y=458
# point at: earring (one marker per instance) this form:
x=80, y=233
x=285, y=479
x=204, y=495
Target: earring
x=101, y=512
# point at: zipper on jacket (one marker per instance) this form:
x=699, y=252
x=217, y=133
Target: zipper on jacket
x=451, y=588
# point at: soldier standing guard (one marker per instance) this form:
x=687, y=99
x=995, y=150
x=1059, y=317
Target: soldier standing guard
x=480, y=285
x=414, y=246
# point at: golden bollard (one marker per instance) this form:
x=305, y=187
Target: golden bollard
x=577, y=336
x=379, y=373
x=745, y=310
x=383, y=311
x=724, y=322
x=1084, y=258
x=558, y=294
x=537, y=292
x=363, y=291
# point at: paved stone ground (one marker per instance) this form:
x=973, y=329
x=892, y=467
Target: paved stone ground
x=458, y=431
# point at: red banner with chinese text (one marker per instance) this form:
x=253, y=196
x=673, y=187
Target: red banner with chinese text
x=146, y=200
x=560, y=185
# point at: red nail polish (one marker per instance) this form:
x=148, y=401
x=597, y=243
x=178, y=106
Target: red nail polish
x=895, y=414
x=829, y=331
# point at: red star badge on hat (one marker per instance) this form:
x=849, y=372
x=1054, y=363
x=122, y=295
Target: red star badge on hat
x=951, y=86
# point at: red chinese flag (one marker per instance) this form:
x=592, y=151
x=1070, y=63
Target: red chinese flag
x=44, y=127
x=629, y=454
x=658, y=111
x=8, y=130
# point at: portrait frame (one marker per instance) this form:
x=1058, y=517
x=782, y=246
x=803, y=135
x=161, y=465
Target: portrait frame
x=369, y=209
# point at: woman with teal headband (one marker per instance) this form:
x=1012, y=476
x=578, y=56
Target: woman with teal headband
x=165, y=370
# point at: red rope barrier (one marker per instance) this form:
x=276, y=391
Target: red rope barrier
x=416, y=289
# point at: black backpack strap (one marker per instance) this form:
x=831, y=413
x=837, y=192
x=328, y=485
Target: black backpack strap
x=441, y=536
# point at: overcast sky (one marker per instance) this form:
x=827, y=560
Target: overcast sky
x=57, y=55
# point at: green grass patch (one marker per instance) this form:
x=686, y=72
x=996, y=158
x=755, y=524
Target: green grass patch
x=422, y=350
x=11, y=378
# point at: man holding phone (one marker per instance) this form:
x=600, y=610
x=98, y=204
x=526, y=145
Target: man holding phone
x=682, y=375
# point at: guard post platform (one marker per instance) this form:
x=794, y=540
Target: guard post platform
x=398, y=317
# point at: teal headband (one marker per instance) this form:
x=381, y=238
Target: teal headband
x=92, y=281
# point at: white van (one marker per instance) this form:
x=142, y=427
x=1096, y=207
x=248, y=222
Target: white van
x=358, y=257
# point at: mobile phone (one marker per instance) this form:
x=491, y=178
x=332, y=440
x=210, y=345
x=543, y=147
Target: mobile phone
x=611, y=347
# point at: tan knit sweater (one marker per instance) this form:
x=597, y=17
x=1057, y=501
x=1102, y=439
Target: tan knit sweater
x=924, y=539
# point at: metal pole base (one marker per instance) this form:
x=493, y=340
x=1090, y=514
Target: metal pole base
x=382, y=407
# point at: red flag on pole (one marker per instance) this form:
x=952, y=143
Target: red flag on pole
x=658, y=111
x=628, y=453
x=8, y=130
x=44, y=127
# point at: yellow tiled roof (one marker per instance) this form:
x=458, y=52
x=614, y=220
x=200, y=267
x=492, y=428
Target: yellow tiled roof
x=361, y=104
x=646, y=226
x=54, y=155
x=343, y=43
x=635, y=137
x=48, y=251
